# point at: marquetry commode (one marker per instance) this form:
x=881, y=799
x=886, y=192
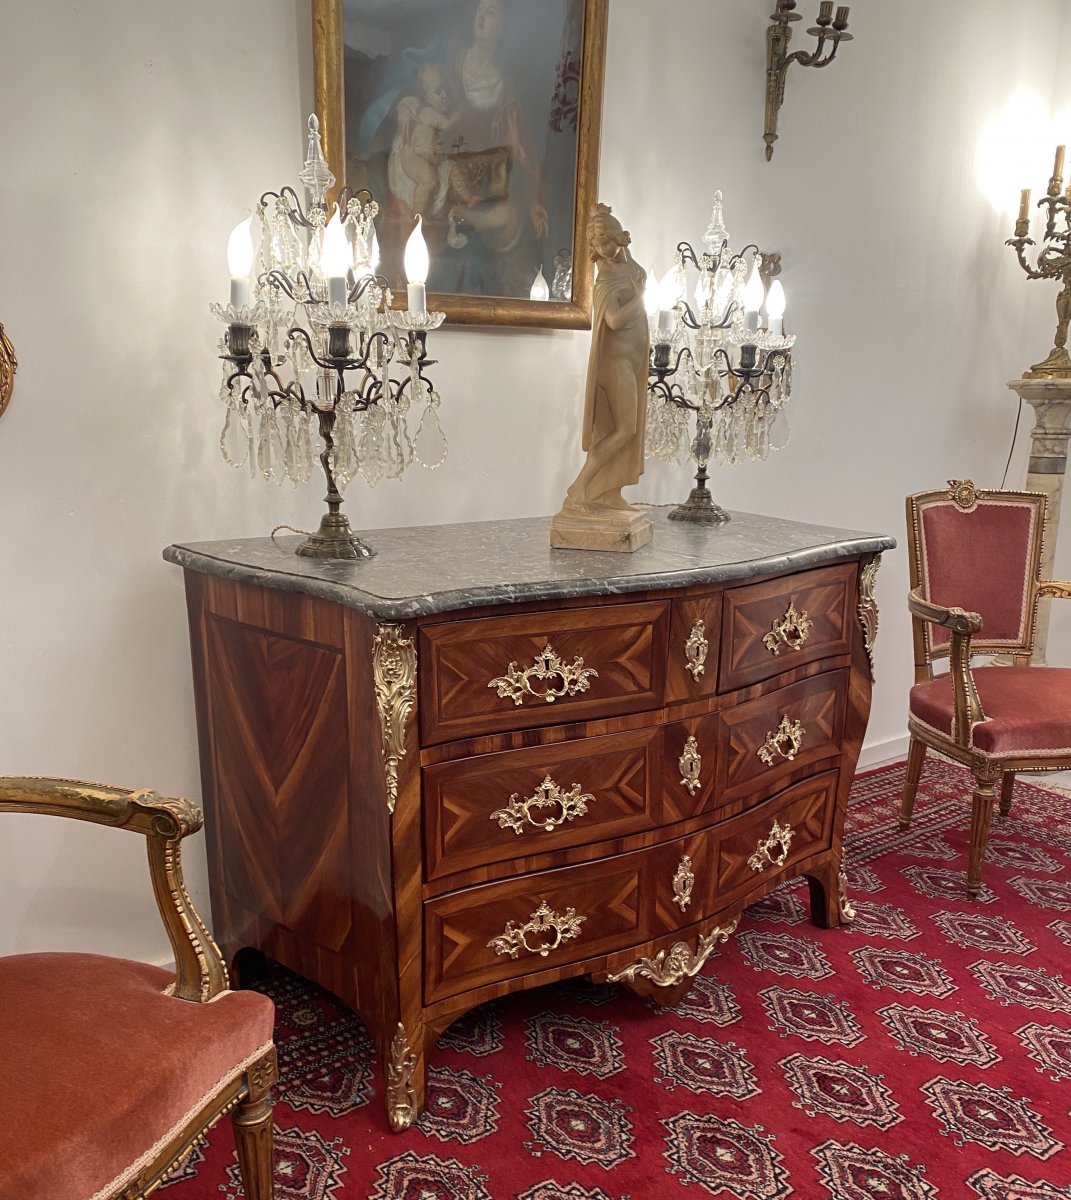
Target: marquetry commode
x=473, y=764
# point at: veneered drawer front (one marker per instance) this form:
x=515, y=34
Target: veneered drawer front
x=788, y=828
x=780, y=624
x=541, y=921
x=689, y=767
x=502, y=673
x=695, y=630
x=495, y=807
x=764, y=739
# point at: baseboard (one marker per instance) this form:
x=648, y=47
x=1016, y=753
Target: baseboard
x=874, y=754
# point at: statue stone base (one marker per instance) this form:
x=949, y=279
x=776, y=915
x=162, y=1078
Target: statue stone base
x=624, y=529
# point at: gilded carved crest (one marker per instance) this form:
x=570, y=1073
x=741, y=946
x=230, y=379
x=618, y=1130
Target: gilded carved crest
x=964, y=494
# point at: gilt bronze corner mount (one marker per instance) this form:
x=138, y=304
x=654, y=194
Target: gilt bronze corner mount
x=830, y=30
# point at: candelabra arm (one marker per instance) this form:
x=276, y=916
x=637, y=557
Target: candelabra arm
x=294, y=210
x=1020, y=244
x=299, y=290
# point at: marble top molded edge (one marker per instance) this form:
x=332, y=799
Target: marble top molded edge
x=428, y=569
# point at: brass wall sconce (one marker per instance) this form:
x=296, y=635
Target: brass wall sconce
x=8, y=365
x=1053, y=262
x=830, y=31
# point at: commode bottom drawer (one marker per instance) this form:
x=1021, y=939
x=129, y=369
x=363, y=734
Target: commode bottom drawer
x=783, y=831
x=519, y=926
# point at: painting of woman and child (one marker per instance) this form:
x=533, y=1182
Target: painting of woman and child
x=468, y=114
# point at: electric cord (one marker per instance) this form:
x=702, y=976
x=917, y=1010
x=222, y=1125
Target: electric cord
x=1011, y=448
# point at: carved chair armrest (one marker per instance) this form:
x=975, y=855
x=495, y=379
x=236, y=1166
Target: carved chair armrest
x=1058, y=589
x=164, y=821
x=967, y=707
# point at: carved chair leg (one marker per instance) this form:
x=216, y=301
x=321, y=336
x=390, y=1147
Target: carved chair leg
x=916, y=754
x=254, y=1139
x=1006, y=785
x=981, y=811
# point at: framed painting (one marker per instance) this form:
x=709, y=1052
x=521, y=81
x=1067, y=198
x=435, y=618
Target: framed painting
x=483, y=118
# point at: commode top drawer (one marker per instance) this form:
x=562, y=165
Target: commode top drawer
x=502, y=673
x=772, y=627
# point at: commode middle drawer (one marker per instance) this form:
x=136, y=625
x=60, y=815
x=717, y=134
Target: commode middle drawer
x=494, y=807
x=494, y=674
x=764, y=740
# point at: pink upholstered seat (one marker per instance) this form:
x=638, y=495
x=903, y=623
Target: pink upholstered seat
x=99, y=1067
x=1028, y=710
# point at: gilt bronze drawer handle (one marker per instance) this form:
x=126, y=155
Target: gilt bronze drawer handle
x=518, y=812
x=772, y=851
x=696, y=649
x=792, y=631
x=690, y=763
x=543, y=922
x=683, y=882
x=516, y=684
x=784, y=742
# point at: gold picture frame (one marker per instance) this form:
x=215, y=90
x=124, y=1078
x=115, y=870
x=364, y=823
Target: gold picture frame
x=8, y=366
x=478, y=199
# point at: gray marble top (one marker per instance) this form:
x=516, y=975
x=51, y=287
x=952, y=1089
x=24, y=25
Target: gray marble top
x=440, y=568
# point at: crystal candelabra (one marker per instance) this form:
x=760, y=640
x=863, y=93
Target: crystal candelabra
x=727, y=361
x=1053, y=262
x=315, y=357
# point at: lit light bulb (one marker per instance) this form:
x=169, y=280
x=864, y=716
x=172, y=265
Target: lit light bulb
x=650, y=294
x=240, y=254
x=667, y=298
x=335, y=260
x=775, y=306
x=752, y=299
x=540, y=290
x=417, y=264
x=373, y=253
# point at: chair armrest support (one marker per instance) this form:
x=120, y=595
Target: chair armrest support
x=1056, y=588
x=967, y=707
x=164, y=821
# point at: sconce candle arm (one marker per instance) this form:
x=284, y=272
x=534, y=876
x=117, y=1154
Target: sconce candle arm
x=830, y=31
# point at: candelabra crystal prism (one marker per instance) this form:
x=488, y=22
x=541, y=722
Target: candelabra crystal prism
x=316, y=362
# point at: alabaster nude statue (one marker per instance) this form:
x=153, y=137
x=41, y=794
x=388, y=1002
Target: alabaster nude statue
x=595, y=516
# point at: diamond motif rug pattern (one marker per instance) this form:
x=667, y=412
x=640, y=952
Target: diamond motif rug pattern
x=923, y=1052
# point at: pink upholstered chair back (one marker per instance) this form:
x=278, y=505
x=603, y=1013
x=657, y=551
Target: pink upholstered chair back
x=980, y=551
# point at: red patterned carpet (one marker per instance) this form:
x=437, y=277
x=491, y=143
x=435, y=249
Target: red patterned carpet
x=924, y=1052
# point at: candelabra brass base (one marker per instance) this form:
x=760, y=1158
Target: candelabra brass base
x=700, y=509
x=334, y=540
x=1056, y=366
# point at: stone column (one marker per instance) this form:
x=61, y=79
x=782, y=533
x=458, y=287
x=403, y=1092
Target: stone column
x=1051, y=402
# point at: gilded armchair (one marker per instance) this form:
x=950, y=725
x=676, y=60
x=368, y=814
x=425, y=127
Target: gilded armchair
x=111, y=1068
x=975, y=561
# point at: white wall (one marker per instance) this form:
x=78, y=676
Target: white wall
x=138, y=131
